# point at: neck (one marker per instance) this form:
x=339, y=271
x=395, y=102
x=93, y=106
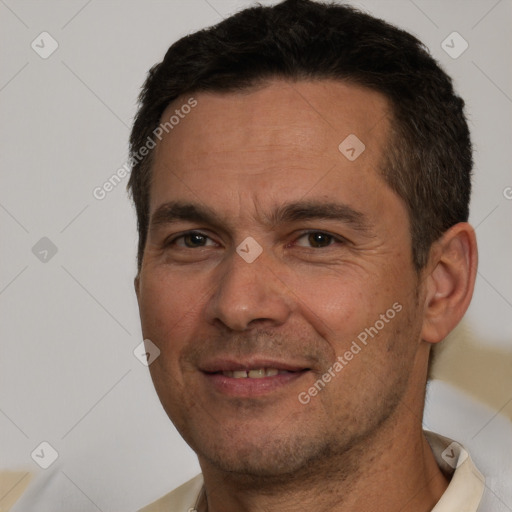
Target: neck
x=394, y=470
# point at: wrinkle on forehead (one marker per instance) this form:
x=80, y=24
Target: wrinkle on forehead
x=307, y=119
x=245, y=152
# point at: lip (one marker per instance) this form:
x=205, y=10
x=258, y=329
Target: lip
x=247, y=388
x=251, y=387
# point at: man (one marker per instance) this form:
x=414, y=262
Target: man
x=301, y=179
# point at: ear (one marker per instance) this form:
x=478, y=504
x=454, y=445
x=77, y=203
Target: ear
x=450, y=281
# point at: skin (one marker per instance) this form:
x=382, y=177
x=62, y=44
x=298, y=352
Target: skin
x=357, y=444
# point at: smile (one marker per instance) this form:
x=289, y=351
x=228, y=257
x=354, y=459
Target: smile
x=250, y=378
x=258, y=373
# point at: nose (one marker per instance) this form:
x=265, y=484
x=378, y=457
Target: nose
x=249, y=295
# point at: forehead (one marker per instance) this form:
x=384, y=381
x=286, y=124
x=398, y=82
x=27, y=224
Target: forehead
x=280, y=139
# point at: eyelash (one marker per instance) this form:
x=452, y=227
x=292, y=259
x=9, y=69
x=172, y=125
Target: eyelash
x=333, y=238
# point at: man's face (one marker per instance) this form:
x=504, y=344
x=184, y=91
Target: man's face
x=261, y=171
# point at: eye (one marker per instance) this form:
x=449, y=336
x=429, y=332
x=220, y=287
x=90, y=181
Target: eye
x=318, y=239
x=191, y=240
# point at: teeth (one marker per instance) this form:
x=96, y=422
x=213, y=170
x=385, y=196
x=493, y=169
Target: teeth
x=257, y=373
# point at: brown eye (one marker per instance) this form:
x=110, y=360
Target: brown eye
x=192, y=240
x=317, y=239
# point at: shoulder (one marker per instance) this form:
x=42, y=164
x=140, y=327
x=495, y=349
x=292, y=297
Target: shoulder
x=12, y=486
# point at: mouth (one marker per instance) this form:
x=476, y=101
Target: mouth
x=254, y=373
x=251, y=378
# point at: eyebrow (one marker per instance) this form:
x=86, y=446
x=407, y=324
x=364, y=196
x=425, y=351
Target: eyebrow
x=315, y=210
x=175, y=211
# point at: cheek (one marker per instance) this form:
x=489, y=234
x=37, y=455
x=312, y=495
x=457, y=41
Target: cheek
x=169, y=316
x=166, y=303
x=340, y=305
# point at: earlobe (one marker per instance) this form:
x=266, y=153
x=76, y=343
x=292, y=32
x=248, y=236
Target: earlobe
x=450, y=283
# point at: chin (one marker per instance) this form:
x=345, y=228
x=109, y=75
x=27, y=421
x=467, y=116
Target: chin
x=269, y=461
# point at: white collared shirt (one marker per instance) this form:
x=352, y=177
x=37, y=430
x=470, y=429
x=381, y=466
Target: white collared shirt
x=463, y=494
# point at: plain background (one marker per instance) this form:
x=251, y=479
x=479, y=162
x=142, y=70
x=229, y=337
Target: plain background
x=69, y=324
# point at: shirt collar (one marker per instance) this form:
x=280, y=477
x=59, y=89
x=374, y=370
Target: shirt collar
x=466, y=487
